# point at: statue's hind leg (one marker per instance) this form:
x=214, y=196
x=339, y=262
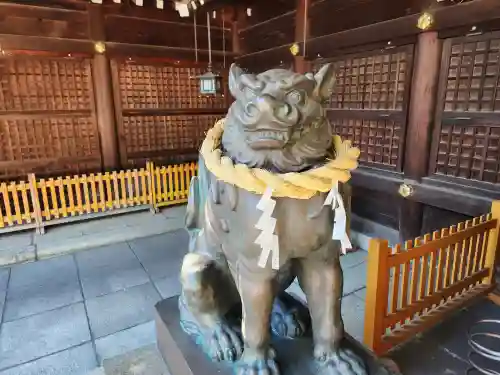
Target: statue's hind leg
x=203, y=311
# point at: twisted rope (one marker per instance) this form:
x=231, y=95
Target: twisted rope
x=302, y=185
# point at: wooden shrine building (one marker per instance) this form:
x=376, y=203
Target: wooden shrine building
x=108, y=84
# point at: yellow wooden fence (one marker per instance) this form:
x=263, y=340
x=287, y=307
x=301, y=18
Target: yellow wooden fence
x=41, y=202
x=412, y=287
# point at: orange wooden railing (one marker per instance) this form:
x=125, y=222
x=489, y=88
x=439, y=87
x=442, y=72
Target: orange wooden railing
x=41, y=202
x=412, y=287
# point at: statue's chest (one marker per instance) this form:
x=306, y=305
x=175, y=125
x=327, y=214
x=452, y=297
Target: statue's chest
x=302, y=225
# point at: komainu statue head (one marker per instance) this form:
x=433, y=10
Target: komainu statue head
x=277, y=121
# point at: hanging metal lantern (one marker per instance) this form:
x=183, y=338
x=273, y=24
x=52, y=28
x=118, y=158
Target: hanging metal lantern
x=210, y=83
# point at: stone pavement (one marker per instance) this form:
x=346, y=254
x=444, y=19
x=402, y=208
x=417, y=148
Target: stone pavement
x=91, y=312
x=26, y=246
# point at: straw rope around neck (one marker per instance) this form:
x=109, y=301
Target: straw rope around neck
x=300, y=185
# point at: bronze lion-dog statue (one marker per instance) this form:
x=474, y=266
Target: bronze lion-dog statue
x=277, y=123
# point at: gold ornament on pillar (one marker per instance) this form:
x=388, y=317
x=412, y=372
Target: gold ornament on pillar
x=425, y=21
x=100, y=47
x=295, y=49
x=405, y=190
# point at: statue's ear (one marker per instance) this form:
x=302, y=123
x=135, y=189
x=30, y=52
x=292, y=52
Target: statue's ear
x=235, y=74
x=325, y=79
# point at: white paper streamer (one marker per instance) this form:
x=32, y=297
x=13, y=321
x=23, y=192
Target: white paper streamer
x=267, y=240
x=340, y=221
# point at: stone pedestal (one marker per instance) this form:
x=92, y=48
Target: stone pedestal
x=184, y=357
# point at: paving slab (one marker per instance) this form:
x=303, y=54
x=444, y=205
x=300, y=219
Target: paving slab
x=98, y=371
x=2, y=303
x=455, y=341
x=143, y=361
x=361, y=294
x=353, y=314
x=4, y=278
x=43, y=272
x=169, y=286
x=17, y=248
x=428, y=359
x=34, y=337
x=121, y=310
x=354, y=278
x=28, y=301
x=126, y=341
x=162, y=255
x=42, y=286
x=103, y=225
x=109, y=269
x=138, y=218
x=75, y=361
x=353, y=259
x=178, y=211
x=98, y=232
x=445, y=347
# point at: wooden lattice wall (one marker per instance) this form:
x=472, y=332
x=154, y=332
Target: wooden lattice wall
x=369, y=103
x=47, y=115
x=161, y=115
x=466, y=142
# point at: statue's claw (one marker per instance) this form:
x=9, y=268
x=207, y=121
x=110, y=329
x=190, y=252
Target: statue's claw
x=290, y=318
x=288, y=324
x=257, y=363
x=339, y=362
x=224, y=344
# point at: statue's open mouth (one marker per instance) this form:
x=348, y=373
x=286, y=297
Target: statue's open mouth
x=267, y=139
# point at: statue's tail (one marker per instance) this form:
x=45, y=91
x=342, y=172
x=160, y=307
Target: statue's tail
x=198, y=190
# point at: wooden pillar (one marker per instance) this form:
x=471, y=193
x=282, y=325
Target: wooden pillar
x=302, y=32
x=239, y=22
x=103, y=91
x=420, y=122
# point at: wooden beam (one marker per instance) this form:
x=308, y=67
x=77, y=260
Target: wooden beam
x=419, y=134
x=21, y=10
x=469, y=13
x=103, y=93
x=422, y=105
x=179, y=53
x=302, y=28
x=430, y=191
x=96, y=23
x=238, y=23
x=40, y=43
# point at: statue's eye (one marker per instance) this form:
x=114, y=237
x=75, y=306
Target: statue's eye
x=295, y=97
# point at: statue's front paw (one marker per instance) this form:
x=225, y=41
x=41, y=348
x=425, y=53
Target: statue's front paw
x=257, y=363
x=224, y=344
x=338, y=362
